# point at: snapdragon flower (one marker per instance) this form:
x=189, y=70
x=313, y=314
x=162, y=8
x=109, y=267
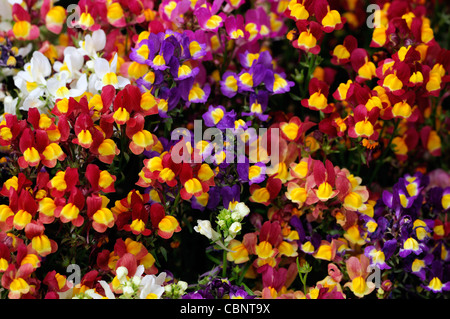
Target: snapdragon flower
x=32, y=81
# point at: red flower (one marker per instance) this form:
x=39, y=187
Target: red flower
x=102, y=217
x=22, y=29
x=330, y=19
x=31, y=145
x=40, y=243
x=10, y=129
x=71, y=212
x=362, y=123
x=362, y=65
x=299, y=10
x=396, y=78
x=431, y=140
x=192, y=185
x=342, y=52
x=309, y=37
x=140, y=139
x=63, y=181
x=25, y=208
x=136, y=210
x=264, y=195
x=164, y=169
x=165, y=224
x=294, y=129
x=100, y=180
x=318, y=100
x=324, y=178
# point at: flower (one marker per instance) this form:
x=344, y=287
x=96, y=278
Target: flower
x=357, y=269
x=204, y=227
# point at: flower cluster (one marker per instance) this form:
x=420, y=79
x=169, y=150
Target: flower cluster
x=290, y=149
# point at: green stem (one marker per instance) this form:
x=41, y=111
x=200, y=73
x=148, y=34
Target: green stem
x=175, y=203
x=303, y=279
x=244, y=271
x=224, y=264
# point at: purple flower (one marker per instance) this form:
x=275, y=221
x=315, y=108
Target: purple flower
x=198, y=94
x=257, y=173
x=296, y=222
x=194, y=295
x=377, y=257
x=229, y=84
x=198, y=48
x=217, y=116
x=410, y=245
x=256, y=24
x=234, y=25
x=151, y=80
x=209, y=21
x=435, y=284
x=8, y=54
x=230, y=195
x=242, y=168
x=218, y=288
x=161, y=61
x=258, y=104
x=277, y=83
x=251, y=78
x=248, y=59
x=240, y=294
x=419, y=266
x=445, y=200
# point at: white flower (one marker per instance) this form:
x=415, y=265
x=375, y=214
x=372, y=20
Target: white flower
x=235, y=228
x=25, y=50
x=176, y=290
x=152, y=287
x=235, y=216
x=121, y=273
x=58, y=90
x=72, y=64
x=10, y=104
x=93, y=44
x=5, y=16
x=128, y=289
x=32, y=102
x=108, y=292
x=182, y=285
x=204, y=227
x=105, y=74
x=241, y=209
x=32, y=80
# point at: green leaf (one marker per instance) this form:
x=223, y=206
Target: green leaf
x=163, y=252
x=295, y=97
